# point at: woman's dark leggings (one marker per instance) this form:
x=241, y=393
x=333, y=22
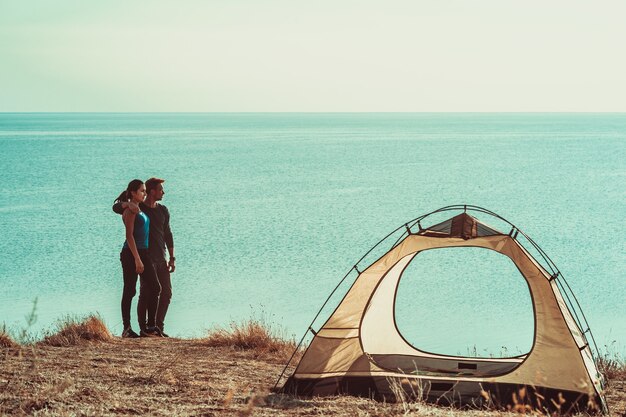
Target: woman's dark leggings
x=149, y=289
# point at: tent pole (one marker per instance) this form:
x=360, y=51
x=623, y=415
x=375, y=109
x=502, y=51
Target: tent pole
x=311, y=325
x=355, y=268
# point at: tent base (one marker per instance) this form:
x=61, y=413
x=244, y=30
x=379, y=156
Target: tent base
x=448, y=393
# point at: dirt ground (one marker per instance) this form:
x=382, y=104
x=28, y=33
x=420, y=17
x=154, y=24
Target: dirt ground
x=173, y=377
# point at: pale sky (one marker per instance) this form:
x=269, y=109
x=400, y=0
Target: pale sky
x=354, y=56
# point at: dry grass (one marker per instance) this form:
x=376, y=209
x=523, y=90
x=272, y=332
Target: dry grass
x=173, y=377
x=253, y=335
x=612, y=364
x=228, y=373
x=5, y=339
x=73, y=331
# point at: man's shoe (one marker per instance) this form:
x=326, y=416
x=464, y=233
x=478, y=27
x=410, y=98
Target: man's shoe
x=129, y=333
x=163, y=334
x=157, y=331
x=150, y=332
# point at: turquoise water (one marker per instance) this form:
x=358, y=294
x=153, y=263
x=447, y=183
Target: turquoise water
x=269, y=211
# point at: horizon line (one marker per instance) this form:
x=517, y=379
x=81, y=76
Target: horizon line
x=312, y=112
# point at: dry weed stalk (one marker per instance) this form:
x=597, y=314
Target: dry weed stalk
x=163, y=373
x=489, y=402
x=534, y=403
x=21, y=380
x=252, y=402
x=407, y=392
x=228, y=398
x=611, y=363
x=520, y=403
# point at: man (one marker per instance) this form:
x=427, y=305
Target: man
x=160, y=237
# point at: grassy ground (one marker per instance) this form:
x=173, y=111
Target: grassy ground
x=86, y=371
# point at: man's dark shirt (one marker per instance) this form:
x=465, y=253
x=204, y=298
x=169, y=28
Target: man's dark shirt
x=160, y=234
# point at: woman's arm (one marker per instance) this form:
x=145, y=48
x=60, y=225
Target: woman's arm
x=129, y=222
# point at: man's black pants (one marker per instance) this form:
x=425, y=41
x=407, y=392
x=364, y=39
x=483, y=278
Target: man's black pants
x=163, y=276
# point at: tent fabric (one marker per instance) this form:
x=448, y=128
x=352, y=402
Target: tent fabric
x=361, y=343
x=463, y=226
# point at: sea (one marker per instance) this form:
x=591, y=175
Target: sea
x=269, y=211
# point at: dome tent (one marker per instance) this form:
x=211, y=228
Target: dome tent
x=360, y=351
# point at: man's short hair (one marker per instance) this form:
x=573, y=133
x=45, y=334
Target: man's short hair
x=152, y=183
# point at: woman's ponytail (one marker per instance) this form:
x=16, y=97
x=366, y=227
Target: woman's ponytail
x=125, y=195
x=122, y=198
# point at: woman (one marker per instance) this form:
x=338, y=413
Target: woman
x=135, y=260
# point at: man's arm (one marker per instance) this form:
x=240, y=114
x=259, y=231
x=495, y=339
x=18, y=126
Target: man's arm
x=120, y=207
x=169, y=240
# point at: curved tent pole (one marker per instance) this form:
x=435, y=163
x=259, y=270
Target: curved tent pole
x=567, y=290
x=548, y=262
x=576, y=308
x=465, y=208
x=310, y=328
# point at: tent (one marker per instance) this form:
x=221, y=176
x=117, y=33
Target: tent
x=360, y=351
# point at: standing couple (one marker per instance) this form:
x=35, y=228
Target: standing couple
x=148, y=233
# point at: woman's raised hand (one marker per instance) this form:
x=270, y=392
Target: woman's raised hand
x=133, y=207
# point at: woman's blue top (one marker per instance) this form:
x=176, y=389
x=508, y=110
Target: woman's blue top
x=141, y=231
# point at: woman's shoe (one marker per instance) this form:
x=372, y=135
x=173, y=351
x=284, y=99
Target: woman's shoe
x=129, y=333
